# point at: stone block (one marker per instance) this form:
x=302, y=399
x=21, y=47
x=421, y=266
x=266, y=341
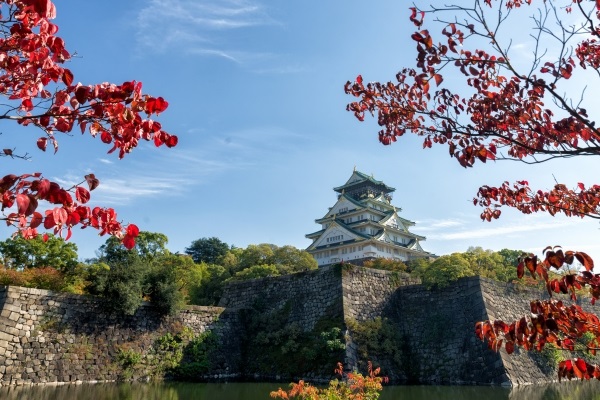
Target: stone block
x=5, y=337
x=13, y=316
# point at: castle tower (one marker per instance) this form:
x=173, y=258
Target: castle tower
x=362, y=225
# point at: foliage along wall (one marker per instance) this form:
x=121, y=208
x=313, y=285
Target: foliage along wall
x=51, y=337
x=294, y=326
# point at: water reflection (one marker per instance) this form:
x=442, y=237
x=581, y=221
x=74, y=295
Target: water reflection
x=256, y=391
x=150, y=391
x=558, y=391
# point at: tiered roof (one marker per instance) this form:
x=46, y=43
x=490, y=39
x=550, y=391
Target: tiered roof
x=364, y=214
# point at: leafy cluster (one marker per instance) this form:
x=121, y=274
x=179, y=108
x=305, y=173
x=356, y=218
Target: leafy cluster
x=350, y=386
x=178, y=354
x=444, y=270
x=554, y=322
x=504, y=108
x=148, y=271
x=274, y=342
x=222, y=264
x=39, y=92
x=378, y=339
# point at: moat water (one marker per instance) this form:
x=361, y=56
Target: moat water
x=256, y=391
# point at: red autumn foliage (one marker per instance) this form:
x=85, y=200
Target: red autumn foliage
x=508, y=110
x=553, y=321
x=39, y=91
x=504, y=110
x=352, y=386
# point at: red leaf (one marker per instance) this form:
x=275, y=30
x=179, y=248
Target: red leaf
x=92, y=181
x=438, y=79
x=171, y=141
x=156, y=105
x=45, y=237
x=36, y=220
x=585, y=260
x=106, y=137
x=67, y=77
x=41, y=143
x=129, y=242
x=22, y=203
x=60, y=216
x=520, y=270
x=510, y=347
x=133, y=230
x=82, y=194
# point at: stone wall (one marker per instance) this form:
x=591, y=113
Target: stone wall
x=435, y=340
x=367, y=291
x=50, y=337
x=438, y=329
x=310, y=294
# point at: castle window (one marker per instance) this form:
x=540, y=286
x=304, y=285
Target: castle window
x=335, y=238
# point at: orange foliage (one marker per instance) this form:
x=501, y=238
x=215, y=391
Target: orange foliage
x=352, y=386
x=41, y=278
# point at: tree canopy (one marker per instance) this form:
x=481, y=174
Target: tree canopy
x=19, y=253
x=38, y=91
x=506, y=109
x=207, y=250
x=468, y=89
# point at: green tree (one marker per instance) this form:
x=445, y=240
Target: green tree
x=511, y=257
x=289, y=259
x=120, y=284
x=445, y=270
x=209, y=292
x=125, y=277
x=255, y=271
x=486, y=263
x=255, y=255
x=19, y=253
x=207, y=250
x=148, y=245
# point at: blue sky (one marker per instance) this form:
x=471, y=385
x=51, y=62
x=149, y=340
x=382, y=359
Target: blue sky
x=256, y=97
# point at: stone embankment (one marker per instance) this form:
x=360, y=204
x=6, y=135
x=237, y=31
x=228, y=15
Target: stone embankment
x=416, y=335
x=48, y=337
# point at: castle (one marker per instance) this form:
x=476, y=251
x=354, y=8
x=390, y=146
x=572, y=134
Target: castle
x=362, y=225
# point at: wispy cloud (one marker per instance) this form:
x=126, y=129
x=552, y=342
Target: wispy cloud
x=438, y=224
x=496, y=230
x=198, y=26
x=128, y=190
x=178, y=171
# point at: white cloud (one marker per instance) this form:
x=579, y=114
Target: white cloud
x=197, y=26
x=499, y=230
x=438, y=224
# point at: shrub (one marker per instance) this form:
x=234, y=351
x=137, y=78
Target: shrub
x=351, y=386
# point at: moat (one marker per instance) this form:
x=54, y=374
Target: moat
x=256, y=391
